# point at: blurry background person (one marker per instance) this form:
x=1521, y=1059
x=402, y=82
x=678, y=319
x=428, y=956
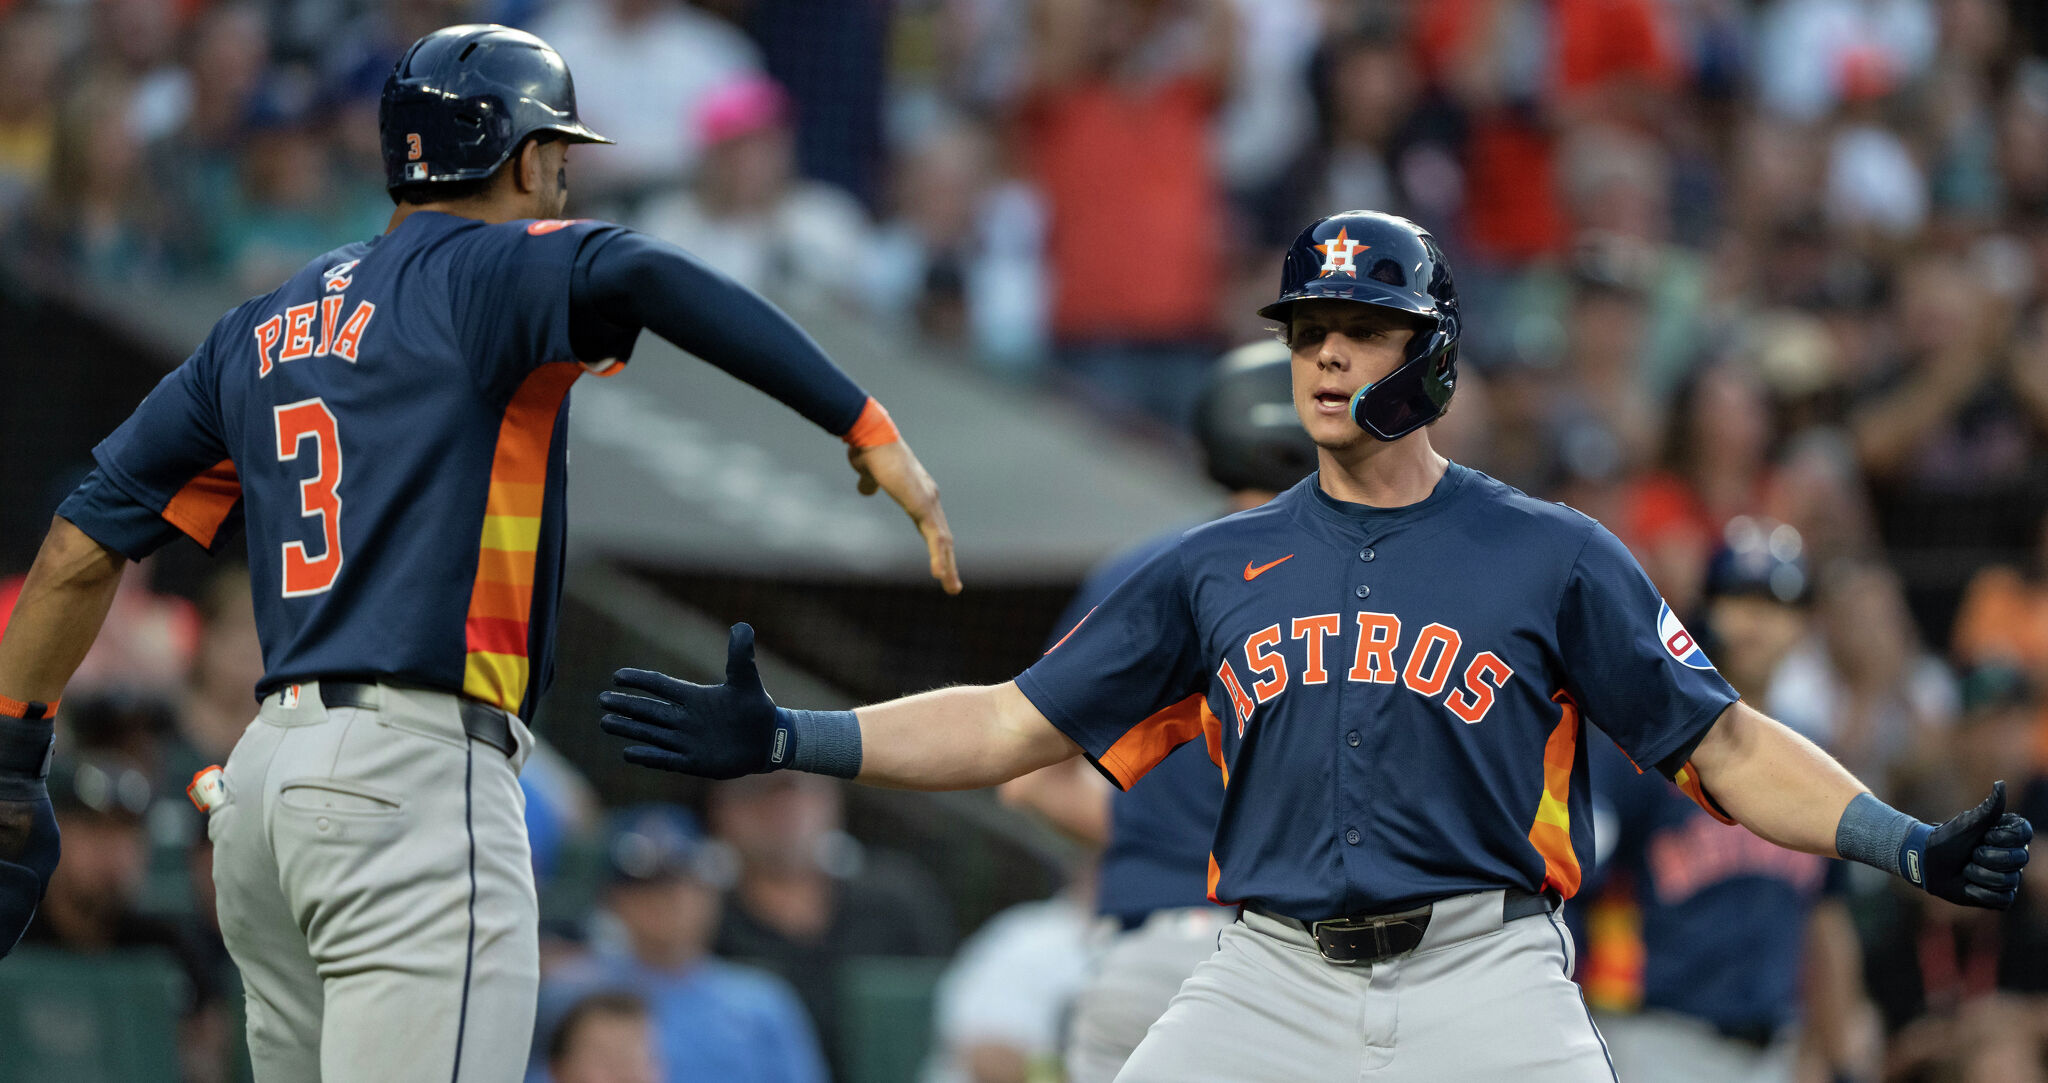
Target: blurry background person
x=603, y=1038
x=713, y=1020
x=808, y=897
x=750, y=215
x=1676, y=1000
x=92, y=910
x=1003, y=1005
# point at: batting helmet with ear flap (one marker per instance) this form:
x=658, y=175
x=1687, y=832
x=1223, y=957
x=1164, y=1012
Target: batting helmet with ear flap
x=1385, y=260
x=1245, y=420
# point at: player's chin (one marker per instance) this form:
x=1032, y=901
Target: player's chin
x=1334, y=432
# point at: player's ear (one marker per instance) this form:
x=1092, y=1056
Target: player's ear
x=527, y=166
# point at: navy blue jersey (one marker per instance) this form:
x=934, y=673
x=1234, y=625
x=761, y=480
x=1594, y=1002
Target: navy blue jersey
x=390, y=422
x=1395, y=696
x=1159, y=830
x=1692, y=879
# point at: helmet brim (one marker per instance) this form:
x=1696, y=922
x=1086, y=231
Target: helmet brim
x=578, y=133
x=1334, y=288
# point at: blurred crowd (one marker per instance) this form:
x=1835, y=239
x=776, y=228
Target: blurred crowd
x=1724, y=263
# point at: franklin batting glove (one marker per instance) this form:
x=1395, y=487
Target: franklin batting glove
x=1975, y=858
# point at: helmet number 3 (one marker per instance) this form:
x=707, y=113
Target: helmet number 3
x=297, y=423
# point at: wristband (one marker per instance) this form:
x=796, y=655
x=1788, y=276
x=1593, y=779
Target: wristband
x=821, y=742
x=17, y=708
x=1882, y=837
x=872, y=428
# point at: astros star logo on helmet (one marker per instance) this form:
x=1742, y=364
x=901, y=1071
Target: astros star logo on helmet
x=1339, y=254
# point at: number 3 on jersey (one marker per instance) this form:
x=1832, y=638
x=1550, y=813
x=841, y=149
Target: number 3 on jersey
x=309, y=419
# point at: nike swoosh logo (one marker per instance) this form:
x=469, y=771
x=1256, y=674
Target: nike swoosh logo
x=1251, y=573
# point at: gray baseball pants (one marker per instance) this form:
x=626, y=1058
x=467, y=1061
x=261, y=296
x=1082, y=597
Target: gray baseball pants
x=1477, y=999
x=1134, y=980
x=375, y=888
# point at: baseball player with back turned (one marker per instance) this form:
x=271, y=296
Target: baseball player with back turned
x=1393, y=664
x=390, y=424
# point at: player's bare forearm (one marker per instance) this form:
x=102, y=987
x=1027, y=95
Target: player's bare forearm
x=1773, y=781
x=957, y=739
x=62, y=605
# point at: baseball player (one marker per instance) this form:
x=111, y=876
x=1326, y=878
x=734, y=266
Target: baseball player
x=390, y=425
x=1155, y=837
x=1393, y=665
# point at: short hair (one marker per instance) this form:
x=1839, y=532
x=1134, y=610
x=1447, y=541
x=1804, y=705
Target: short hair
x=614, y=1002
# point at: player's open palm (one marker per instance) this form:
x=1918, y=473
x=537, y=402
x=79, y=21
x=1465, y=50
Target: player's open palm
x=893, y=468
x=713, y=731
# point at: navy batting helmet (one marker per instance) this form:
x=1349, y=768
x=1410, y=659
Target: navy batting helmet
x=1250, y=434
x=1380, y=259
x=463, y=97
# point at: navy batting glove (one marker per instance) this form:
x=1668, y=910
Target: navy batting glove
x=713, y=731
x=28, y=825
x=1975, y=858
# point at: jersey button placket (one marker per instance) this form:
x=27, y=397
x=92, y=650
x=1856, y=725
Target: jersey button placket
x=1351, y=836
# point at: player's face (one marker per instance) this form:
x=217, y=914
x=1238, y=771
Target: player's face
x=1339, y=347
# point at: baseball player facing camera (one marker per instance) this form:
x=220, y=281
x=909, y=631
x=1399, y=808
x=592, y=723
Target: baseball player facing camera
x=1393, y=665
x=390, y=423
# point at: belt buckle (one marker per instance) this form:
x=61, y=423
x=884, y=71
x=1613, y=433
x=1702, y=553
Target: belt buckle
x=1377, y=925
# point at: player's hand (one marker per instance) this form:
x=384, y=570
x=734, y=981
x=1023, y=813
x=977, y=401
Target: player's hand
x=712, y=731
x=1975, y=858
x=893, y=468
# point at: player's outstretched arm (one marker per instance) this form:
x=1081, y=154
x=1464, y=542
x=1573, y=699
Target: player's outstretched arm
x=1786, y=790
x=951, y=739
x=58, y=615
x=634, y=280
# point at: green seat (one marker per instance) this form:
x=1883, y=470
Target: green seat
x=886, y=1017
x=109, y=1018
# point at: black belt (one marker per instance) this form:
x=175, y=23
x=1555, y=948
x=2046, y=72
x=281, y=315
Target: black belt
x=480, y=720
x=1360, y=939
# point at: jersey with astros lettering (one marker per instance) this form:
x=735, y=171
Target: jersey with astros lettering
x=390, y=425
x=1396, y=698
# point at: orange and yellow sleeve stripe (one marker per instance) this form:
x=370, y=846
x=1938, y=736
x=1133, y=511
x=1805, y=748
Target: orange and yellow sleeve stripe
x=1551, y=833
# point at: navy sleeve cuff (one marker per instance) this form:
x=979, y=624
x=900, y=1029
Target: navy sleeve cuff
x=108, y=515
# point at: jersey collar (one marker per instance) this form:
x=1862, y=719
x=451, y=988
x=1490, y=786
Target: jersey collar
x=1366, y=519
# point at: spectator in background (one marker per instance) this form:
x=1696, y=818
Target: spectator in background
x=1887, y=704
x=1116, y=125
x=604, y=1038
x=99, y=213
x=962, y=257
x=294, y=204
x=748, y=213
x=715, y=1022
x=1803, y=45
x=833, y=59
x=91, y=908
x=198, y=161
x=1000, y=1008
x=30, y=54
x=1527, y=74
x=1714, y=466
x=644, y=68
x=809, y=898
x=1967, y=998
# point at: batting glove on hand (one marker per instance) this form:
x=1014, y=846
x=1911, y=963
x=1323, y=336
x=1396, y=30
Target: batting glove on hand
x=712, y=731
x=28, y=827
x=1975, y=858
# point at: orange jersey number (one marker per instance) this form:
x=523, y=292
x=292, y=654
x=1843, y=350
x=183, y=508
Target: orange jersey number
x=297, y=422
